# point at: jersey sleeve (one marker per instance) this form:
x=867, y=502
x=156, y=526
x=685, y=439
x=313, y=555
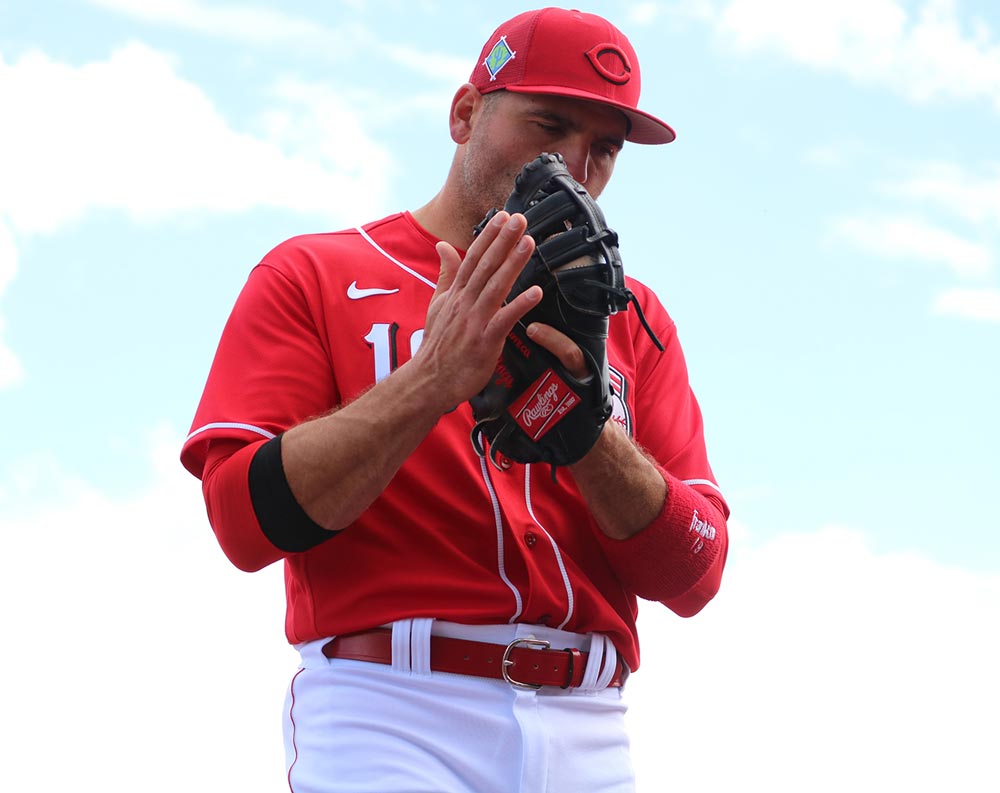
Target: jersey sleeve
x=678, y=559
x=271, y=371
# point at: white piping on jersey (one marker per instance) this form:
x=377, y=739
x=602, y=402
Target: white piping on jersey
x=707, y=482
x=367, y=238
x=498, y=520
x=229, y=425
x=571, y=603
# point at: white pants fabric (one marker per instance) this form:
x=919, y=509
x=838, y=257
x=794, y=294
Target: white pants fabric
x=359, y=727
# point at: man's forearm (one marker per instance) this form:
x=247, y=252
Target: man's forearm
x=338, y=464
x=622, y=488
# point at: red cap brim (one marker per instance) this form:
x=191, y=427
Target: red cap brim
x=643, y=127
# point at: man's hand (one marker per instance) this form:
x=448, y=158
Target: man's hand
x=467, y=323
x=467, y=320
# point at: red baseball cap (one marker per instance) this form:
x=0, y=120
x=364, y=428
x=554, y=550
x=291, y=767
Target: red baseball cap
x=568, y=53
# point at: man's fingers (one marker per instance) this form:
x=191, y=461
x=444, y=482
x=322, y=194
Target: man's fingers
x=450, y=262
x=507, y=249
x=506, y=317
x=479, y=247
x=560, y=345
x=500, y=267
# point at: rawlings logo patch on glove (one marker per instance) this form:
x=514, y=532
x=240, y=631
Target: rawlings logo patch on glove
x=534, y=409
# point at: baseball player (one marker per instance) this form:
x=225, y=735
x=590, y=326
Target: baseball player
x=462, y=626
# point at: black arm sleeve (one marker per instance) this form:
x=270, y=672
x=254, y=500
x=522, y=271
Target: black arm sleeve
x=281, y=517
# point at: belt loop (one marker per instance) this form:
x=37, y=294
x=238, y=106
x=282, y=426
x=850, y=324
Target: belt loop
x=610, y=664
x=595, y=663
x=420, y=645
x=401, y=645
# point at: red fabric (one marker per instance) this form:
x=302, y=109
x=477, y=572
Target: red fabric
x=683, y=569
x=230, y=511
x=568, y=53
x=445, y=539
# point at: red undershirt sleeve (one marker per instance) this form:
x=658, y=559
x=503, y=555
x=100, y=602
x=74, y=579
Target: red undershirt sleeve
x=251, y=508
x=678, y=559
x=230, y=507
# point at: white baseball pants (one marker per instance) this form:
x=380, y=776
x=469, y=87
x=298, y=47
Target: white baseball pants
x=359, y=727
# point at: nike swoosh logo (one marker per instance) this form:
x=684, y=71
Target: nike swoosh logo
x=356, y=293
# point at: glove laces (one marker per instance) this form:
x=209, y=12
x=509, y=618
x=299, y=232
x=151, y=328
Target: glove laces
x=625, y=296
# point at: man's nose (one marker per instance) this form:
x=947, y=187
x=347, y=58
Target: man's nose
x=577, y=162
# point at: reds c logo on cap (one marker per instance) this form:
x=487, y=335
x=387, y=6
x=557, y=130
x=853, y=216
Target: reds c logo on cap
x=611, y=62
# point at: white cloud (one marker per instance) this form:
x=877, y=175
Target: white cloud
x=839, y=154
x=972, y=196
x=982, y=305
x=11, y=371
x=242, y=22
x=823, y=666
x=267, y=27
x=450, y=70
x=899, y=237
x=820, y=34
x=8, y=257
x=643, y=14
x=922, y=56
x=132, y=644
x=130, y=134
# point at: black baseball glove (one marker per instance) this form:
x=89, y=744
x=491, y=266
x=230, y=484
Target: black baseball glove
x=533, y=409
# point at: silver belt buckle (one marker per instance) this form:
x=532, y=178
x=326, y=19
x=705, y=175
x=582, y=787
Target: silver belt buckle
x=507, y=663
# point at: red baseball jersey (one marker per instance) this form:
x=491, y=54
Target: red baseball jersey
x=325, y=316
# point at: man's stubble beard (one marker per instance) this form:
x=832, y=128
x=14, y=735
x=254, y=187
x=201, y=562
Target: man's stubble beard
x=486, y=184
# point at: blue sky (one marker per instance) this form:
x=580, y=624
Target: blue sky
x=825, y=231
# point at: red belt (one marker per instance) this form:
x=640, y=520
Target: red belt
x=524, y=663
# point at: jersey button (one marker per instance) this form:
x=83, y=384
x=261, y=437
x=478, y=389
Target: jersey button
x=530, y=538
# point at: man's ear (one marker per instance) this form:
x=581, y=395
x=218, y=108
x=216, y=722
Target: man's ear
x=464, y=108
